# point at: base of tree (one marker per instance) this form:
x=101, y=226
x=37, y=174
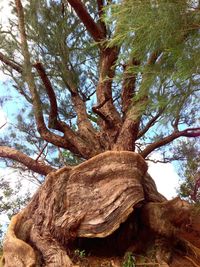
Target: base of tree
x=104, y=211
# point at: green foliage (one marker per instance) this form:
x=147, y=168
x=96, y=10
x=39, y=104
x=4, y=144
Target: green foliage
x=80, y=253
x=169, y=29
x=189, y=170
x=129, y=260
x=10, y=200
x=70, y=158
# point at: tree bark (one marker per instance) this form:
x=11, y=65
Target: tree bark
x=108, y=196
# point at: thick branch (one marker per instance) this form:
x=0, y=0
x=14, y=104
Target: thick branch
x=131, y=124
x=128, y=86
x=53, y=121
x=85, y=127
x=96, y=109
x=100, y=5
x=10, y=63
x=92, y=27
x=190, y=132
x=28, y=69
x=36, y=166
x=108, y=59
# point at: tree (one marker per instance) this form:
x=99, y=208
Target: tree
x=99, y=83
x=189, y=170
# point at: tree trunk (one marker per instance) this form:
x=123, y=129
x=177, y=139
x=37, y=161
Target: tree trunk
x=109, y=200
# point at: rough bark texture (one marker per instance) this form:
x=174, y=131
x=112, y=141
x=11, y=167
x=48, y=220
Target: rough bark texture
x=108, y=194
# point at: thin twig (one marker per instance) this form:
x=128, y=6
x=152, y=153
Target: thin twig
x=41, y=151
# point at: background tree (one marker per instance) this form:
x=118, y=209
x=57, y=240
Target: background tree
x=96, y=77
x=189, y=170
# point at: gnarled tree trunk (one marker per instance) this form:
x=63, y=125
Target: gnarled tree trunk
x=107, y=194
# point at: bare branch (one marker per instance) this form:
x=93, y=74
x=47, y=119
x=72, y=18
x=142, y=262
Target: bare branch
x=41, y=152
x=11, y=153
x=3, y=125
x=150, y=123
x=190, y=132
x=53, y=121
x=165, y=160
x=21, y=91
x=93, y=28
x=86, y=129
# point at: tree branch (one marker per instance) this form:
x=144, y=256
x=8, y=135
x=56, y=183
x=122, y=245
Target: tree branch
x=41, y=152
x=129, y=130
x=85, y=127
x=53, y=116
x=70, y=140
x=110, y=126
x=150, y=123
x=190, y=132
x=92, y=27
x=29, y=78
x=96, y=109
x=100, y=5
x=10, y=63
x=36, y=166
x=3, y=125
x=128, y=86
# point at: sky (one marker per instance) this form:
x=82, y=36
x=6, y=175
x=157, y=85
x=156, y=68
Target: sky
x=164, y=175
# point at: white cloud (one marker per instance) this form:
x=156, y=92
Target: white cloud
x=165, y=177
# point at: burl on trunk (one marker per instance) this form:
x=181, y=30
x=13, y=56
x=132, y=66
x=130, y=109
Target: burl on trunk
x=92, y=200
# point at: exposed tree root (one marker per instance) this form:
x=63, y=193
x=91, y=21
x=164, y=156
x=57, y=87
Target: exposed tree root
x=16, y=251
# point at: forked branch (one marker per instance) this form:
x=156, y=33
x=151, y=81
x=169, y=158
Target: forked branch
x=190, y=132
